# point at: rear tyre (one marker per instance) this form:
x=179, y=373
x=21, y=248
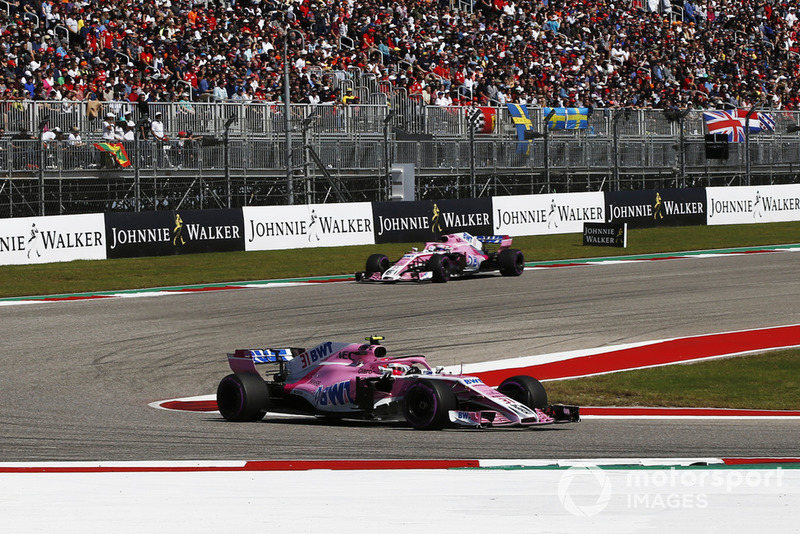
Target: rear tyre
x=377, y=263
x=242, y=398
x=427, y=403
x=511, y=262
x=525, y=390
x=441, y=267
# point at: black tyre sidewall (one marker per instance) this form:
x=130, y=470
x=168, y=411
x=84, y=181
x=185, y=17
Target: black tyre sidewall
x=441, y=266
x=377, y=263
x=526, y=390
x=242, y=397
x=511, y=262
x=427, y=403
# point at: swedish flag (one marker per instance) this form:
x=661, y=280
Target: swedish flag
x=568, y=118
x=519, y=114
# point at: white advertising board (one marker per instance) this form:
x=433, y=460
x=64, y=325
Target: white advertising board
x=753, y=204
x=312, y=225
x=29, y=240
x=557, y=213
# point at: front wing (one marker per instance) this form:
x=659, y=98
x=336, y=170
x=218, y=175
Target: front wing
x=557, y=413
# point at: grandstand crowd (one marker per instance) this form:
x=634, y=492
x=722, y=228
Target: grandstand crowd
x=599, y=53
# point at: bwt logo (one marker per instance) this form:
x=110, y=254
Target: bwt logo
x=316, y=354
x=335, y=395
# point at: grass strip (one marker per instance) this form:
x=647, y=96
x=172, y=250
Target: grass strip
x=769, y=381
x=188, y=269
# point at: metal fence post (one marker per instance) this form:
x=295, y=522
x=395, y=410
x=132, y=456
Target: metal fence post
x=682, y=148
x=386, y=155
x=747, y=143
x=546, y=154
x=472, y=180
x=137, y=196
x=618, y=114
x=615, y=149
x=41, y=171
x=227, y=155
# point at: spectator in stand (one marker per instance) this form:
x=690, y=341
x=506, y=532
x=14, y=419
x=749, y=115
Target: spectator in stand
x=75, y=145
x=50, y=141
x=129, y=133
x=555, y=51
x=109, y=124
x=160, y=140
x=349, y=97
x=443, y=99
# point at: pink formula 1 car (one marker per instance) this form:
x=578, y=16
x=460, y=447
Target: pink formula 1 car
x=358, y=380
x=453, y=255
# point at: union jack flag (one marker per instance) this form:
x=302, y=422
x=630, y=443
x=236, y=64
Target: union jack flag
x=725, y=122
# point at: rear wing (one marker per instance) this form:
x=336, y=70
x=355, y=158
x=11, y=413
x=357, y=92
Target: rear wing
x=245, y=360
x=490, y=241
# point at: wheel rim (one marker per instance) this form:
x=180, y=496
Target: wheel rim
x=421, y=404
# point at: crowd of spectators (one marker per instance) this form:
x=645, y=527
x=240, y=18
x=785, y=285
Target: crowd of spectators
x=600, y=53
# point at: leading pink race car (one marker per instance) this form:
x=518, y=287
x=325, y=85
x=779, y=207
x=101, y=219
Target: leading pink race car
x=454, y=255
x=359, y=380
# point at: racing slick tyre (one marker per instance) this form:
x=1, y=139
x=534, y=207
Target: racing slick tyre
x=377, y=263
x=526, y=390
x=511, y=262
x=441, y=267
x=242, y=397
x=427, y=403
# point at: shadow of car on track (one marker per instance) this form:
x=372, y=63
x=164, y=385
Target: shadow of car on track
x=339, y=422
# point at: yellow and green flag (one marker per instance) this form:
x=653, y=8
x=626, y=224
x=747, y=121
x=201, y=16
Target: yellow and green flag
x=117, y=150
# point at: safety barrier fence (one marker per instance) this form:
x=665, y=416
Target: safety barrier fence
x=400, y=112
x=340, y=154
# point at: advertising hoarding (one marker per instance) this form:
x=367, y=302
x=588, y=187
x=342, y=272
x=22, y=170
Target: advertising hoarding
x=28, y=240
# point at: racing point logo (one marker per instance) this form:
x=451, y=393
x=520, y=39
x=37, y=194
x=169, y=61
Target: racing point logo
x=584, y=491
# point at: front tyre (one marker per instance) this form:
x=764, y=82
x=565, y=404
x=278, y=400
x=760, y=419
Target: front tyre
x=242, y=398
x=377, y=263
x=511, y=262
x=427, y=403
x=525, y=390
x=441, y=267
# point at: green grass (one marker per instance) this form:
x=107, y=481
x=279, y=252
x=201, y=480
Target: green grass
x=767, y=381
x=134, y=273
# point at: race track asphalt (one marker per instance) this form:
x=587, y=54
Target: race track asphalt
x=76, y=377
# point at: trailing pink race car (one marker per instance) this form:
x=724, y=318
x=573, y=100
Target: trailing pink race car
x=358, y=380
x=452, y=256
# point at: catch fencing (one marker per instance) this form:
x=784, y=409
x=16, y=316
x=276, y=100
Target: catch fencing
x=249, y=154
